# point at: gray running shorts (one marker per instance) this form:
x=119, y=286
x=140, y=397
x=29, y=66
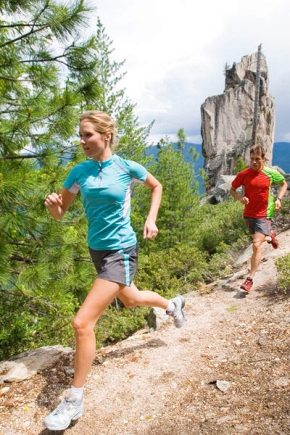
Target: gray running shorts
x=260, y=225
x=119, y=266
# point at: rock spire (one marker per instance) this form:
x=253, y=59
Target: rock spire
x=227, y=119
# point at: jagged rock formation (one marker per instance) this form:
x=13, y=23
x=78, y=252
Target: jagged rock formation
x=227, y=119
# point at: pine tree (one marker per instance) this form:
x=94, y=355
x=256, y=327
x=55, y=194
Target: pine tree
x=181, y=138
x=180, y=197
x=48, y=76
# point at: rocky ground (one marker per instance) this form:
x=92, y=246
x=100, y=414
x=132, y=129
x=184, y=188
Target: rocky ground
x=227, y=371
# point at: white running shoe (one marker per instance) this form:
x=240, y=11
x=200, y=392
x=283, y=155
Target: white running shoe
x=177, y=312
x=68, y=410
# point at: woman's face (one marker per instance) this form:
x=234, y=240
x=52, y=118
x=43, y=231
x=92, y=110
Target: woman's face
x=95, y=144
x=257, y=162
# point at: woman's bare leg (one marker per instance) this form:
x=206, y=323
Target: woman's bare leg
x=99, y=297
x=132, y=297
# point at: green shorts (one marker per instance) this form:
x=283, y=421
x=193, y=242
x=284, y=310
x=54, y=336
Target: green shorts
x=119, y=266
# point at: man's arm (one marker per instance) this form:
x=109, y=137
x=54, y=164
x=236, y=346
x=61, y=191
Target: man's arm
x=238, y=197
x=280, y=195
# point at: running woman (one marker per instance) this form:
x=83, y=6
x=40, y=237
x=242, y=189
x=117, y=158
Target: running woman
x=104, y=180
x=260, y=205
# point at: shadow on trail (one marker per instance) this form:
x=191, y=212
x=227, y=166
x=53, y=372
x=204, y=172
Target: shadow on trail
x=119, y=353
x=59, y=377
x=240, y=294
x=50, y=432
x=57, y=432
x=273, y=294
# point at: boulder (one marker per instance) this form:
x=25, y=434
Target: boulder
x=220, y=191
x=27, y=364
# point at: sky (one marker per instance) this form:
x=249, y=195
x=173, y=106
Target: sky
x=175, y=53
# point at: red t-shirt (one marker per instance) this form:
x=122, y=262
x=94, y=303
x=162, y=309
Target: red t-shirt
x=257, y=188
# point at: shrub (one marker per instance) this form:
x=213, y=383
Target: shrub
x=283, y=267
x=27, y=323
x=117, y=324
x=218, y=227
x=173, y=270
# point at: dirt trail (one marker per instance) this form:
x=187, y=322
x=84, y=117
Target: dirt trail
x=163, y=382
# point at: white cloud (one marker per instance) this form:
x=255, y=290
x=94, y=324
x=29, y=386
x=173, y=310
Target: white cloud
x=175, y=52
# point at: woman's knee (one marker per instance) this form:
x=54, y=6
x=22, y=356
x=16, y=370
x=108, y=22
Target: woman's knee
x=81, y=326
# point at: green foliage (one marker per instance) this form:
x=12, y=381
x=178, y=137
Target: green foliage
x=179, y=199
x=180, y=267
x=47, y=79
x=218, y=227
x=181, y=138
x=28, y=321
x=115, y=325
x=240, y=164
x=283, y=267
x=285, y=210
x=220, y=265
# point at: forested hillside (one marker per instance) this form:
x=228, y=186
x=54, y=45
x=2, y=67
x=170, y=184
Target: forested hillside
x=192, y=153
x=49, y=75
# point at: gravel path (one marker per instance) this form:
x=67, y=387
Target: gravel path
x=165, y=381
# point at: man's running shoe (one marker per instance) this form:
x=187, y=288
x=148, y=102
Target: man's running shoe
x=247, y=285
x=274, y=242
x=178, y=304
x=68, y=410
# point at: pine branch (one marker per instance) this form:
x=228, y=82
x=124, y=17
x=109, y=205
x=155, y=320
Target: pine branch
x=21, y=244
x=5, y=26
x=16, y=257
x=33, y=121
x=30, y=298
x=23, y=156
x=32, y=31
x=25, y=35
x=41, y=12
x=11, y=79
x=56, y=59
x=49, y=59
x=8, y=111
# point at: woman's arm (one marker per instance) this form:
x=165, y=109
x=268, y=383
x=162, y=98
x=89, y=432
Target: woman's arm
x=150, y=228
x=58, y=203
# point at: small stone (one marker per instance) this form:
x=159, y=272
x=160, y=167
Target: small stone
x=282, y=382
x=223, y=385
x=4, y=390
x=26, y=424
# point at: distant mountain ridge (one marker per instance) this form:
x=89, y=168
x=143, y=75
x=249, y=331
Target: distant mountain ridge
x=281, y=157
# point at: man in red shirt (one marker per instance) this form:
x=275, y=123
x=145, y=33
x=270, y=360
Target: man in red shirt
x=259, y=203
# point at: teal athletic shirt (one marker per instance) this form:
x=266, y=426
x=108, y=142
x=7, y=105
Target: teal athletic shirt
x=105, y=189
